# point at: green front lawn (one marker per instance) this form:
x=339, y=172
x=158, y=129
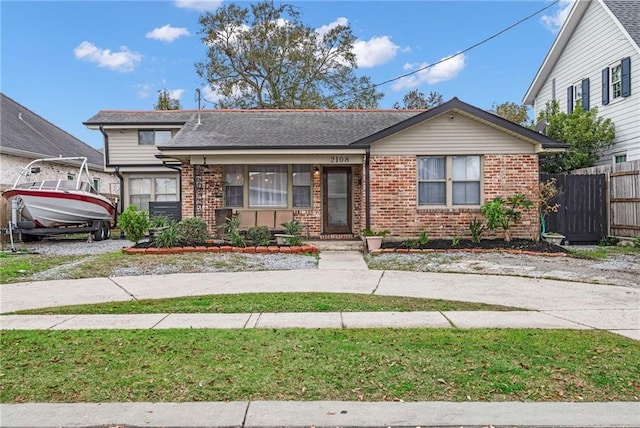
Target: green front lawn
x=272, y=302
x=326, y=364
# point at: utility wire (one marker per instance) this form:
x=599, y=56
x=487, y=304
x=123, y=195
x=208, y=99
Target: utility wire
x=351, y=95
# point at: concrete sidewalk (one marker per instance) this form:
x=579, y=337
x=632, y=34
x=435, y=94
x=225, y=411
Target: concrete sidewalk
x=339, y=320
x=262, y=414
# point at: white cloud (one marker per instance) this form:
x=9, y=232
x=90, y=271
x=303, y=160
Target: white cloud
x=446, y=69
x=376, y=51
x=167, y=33
x=555, y=21
x=199, y=5
x=123, y=61
x=210, y=95
x=144, y=90
x=328, y=27
x=176, y=94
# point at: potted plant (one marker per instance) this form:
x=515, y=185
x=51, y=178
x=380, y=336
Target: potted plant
x=553, y=238
x=373, y=239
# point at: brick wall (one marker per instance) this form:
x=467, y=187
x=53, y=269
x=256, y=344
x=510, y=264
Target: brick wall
x=394, y=197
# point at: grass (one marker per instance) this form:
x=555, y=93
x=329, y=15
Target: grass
x=327, y=364
x=17, y=268
x=602, y=252
x=272, y=302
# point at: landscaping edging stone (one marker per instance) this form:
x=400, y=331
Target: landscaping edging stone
x=302, y=249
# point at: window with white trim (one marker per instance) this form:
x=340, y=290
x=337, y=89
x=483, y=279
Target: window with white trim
x=153, y=137
x=577, y=93
x=616, y=81
x=449, y=180
x=142, y=190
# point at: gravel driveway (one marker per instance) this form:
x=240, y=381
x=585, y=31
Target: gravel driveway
x=621, y=269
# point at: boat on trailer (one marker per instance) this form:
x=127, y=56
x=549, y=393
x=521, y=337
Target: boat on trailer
x=48, y=207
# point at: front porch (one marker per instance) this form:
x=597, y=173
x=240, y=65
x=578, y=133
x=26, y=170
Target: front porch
x=326, y=199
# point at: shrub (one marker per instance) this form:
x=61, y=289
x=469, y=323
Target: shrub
x=423, y=237
x=134, y=223
x=232, y=228
x=410, y=243
x=160, y=221
x=502, y=214
x=369, y=232
x=260, y=235
x=455, y=241
x=293, y=228
x=477, y=228
x=193, y=231
x=169, y=236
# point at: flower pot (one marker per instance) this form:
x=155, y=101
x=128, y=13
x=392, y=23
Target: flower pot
x=553, y=238
x=282, y=239
x=373, y=242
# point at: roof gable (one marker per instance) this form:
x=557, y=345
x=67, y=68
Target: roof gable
x=473, y=113
x=626, y=16
x=26, y=133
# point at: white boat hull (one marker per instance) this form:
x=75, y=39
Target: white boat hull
x=53, y=208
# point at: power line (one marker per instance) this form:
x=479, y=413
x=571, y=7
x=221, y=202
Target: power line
x=352, y=94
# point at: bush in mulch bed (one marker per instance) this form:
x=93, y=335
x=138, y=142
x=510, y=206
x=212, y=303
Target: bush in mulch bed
x=485, y=244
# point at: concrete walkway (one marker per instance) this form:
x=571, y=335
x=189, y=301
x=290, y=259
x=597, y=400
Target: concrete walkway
x=551, y=304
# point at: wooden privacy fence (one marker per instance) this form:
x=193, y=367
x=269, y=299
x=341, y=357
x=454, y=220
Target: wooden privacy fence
x=582, y=215
x=623, y=196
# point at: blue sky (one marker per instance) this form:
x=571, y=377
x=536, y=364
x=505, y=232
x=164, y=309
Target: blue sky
x=66, y=60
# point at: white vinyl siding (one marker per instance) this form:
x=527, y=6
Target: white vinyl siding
x=452, y=133
x=124, y=149
x=597, y=43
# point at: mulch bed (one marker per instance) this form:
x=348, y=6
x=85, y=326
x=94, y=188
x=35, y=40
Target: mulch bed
x=515, y=245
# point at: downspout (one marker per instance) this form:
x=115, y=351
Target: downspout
x=367, y=187
x=179, y=169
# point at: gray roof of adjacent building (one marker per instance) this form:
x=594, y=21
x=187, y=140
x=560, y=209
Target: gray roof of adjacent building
x=25, y=133
x=628, y=13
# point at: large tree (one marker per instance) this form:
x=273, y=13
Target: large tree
x=165, y=102
x=415, y=100
x=265, y=57
x=586, y=134
x=516, y=113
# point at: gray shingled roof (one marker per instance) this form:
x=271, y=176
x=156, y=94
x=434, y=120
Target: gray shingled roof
x=242, y=129
x=628, y=13
x=26, y=133
x=284, y=128
x=117, y=117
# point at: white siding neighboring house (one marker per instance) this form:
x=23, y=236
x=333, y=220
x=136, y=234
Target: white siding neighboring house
x=595, y=60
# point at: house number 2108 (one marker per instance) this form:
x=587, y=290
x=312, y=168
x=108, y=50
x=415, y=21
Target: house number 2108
x=338, y=159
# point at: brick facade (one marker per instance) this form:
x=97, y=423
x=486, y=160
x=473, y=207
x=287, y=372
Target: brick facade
x=393, y=203
x=394, y=197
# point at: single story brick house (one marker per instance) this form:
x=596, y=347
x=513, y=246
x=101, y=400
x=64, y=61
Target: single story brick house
x=335, y=171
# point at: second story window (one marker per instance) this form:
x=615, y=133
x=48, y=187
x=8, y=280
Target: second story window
x=153, y=137
x=616, y=81
x=578, y=94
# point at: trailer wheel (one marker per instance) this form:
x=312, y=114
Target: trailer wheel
x=98, y=234
x=107, y=230
x=31, y=238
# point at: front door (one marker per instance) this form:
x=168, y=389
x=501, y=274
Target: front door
x=336, y=200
